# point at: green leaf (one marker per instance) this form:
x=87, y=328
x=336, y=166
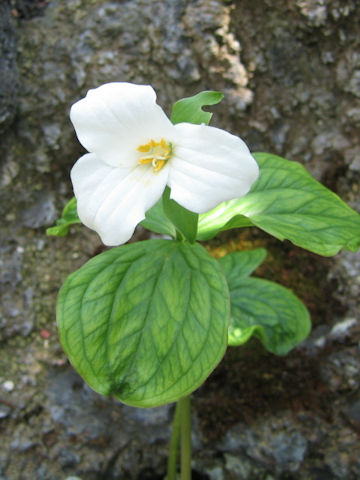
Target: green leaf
x=268, y=311
x=190, y=109
x=239, y=265
x=147, y=321
x=157, y=221
x=288, y=203
x=68, y=217
x=260, y=308
x=185, y=221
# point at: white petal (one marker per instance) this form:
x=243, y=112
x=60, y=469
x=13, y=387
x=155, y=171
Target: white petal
x=114, y=119
x=209, y=166
x=113, y=200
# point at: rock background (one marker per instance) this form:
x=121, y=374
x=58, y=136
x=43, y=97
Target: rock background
x=290, y=71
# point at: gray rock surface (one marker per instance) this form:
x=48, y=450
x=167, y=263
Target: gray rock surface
x=8, y=67
x=290, y=72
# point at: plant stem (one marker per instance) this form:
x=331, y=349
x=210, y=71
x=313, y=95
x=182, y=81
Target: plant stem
x=185, y=418
x=181, y=427
x=174, y=445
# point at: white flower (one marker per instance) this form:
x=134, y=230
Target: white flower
x=135, y=151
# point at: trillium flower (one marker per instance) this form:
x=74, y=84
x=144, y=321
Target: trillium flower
x=135, y=152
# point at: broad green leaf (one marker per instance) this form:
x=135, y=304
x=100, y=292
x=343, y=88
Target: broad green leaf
x=146, y=322
x=190, y=109
x=68, y=217
x=268, y=311
x=184, y=221
x=288, y=203
x=157, y=221
x=260, y=308
x=239, y=265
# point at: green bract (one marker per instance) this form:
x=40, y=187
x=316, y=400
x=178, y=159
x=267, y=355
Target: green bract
x=158, y=222
x=184, y=221
x=146, y=322
x=190, y=109
x=260, y=308
x=68, y=217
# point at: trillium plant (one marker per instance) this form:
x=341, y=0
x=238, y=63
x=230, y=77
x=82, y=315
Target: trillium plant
x=147, y=322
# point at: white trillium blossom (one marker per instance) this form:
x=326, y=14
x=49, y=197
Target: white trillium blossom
x=135, y=152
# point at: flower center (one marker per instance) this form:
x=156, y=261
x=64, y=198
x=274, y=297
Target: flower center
x=156, y=153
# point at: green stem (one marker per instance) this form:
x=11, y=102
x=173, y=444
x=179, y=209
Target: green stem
x=185, y=414
x=174, y=445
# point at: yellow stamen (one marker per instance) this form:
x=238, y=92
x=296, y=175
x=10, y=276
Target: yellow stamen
x=145, y=160
x=157, y=153
x=144, y=148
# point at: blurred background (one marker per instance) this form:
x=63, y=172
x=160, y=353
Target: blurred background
x=290, y=72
